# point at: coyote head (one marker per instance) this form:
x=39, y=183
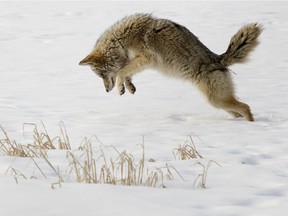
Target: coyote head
x=104, y=66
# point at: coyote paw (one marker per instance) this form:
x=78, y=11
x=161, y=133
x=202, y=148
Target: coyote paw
x=131, y=88
x=129, y=85
x=121, y=89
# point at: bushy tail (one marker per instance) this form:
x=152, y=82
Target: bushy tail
x=241, y=44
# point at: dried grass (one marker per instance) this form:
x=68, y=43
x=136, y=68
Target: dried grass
x=42, y=142
x=201, y=180
x=123, y=169
x=186, y=151
x=11, y=148
x=15, y=173
x=86, y=165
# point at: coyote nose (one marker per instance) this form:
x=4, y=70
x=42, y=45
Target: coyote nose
x=107, y=90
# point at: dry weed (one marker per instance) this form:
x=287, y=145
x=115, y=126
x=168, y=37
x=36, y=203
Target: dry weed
x=38, y=148
x=202, y=178
x=123, y=169
x=41, y=143
x=186, y=151
x=15, y=173
x=11, y=148
x=97, y=167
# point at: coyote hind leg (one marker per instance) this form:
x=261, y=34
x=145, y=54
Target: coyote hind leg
x=217, y=86
x=236, y=108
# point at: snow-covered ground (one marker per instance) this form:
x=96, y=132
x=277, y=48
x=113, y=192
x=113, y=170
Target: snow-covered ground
x=40, y=46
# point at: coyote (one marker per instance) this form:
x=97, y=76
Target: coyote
x=142, y=41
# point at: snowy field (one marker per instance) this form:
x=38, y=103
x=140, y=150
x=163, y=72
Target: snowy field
x=41, y=45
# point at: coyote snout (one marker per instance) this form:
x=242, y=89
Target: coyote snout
x=109, y=82
x=141, y=41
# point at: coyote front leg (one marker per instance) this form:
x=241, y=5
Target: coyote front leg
x=124, y=75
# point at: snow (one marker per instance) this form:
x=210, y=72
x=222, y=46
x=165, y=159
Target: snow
x=41, y=44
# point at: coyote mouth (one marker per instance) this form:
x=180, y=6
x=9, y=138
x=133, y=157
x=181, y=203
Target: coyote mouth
x=109, y=84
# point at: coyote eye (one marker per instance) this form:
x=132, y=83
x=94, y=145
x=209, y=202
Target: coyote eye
x=102, y=75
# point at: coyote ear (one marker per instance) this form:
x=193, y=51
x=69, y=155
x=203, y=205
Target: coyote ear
x=91, y=58
x=88, y=60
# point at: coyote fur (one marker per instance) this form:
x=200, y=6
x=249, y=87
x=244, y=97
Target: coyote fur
x=142, y=41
